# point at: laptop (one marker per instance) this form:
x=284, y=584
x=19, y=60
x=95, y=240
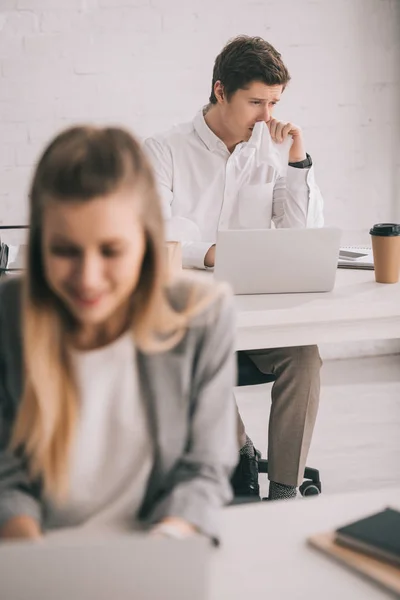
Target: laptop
x=120, y=567
x=277, y=261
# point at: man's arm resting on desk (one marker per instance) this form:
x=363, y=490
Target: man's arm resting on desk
x=193, y=252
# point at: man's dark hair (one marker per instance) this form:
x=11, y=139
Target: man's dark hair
x=245, y=59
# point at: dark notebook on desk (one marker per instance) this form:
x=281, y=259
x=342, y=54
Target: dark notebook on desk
x=377, y=535
x=369, y=546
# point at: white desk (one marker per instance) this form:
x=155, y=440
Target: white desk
x=264, y=554
x=357, y=309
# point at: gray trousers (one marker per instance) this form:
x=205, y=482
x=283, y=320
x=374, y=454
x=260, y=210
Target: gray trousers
x=295, y=399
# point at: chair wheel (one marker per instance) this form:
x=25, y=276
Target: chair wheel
x=310, y=488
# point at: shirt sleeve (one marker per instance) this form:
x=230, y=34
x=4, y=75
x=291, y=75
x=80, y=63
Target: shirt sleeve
x=297, y=200
x=200, y=481
x=161, y=161
x=193, y=252
x=302, y=164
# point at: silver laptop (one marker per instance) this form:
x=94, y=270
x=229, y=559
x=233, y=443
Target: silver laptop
x=128, y=568
x=278, y=261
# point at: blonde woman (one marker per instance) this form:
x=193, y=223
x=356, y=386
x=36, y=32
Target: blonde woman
x=115, y=382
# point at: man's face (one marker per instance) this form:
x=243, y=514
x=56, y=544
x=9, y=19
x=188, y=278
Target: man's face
x=248, y=106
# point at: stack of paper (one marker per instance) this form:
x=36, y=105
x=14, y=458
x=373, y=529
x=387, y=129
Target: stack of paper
x=12, y=258
x=355, y=257
x=3, y=257
x=16, y=257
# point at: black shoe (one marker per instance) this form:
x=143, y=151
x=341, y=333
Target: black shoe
x=245, y=477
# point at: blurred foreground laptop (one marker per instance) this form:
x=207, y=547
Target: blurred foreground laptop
x=278, y=261
x=120, y=568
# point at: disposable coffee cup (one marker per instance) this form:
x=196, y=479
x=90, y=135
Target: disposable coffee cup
x=386, y=250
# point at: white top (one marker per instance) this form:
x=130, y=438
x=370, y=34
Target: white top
x=112, y=455
x=204, y=187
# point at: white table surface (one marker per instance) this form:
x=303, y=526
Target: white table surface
x=264, y=552
x=358, y=308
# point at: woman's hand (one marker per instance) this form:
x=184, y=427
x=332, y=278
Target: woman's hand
x=174, y=527
x=21, y=527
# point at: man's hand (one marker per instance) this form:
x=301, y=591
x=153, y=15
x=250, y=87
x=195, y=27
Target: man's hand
x=21, y=527
x=279, y=132
x=209, y=259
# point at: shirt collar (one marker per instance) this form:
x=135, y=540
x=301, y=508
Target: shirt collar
x=207, y=136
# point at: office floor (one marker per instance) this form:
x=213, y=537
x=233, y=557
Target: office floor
x=356, y=444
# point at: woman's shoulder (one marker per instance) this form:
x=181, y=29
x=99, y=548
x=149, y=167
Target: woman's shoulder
x=203, y=299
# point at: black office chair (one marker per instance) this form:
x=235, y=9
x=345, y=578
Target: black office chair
x=248, y=374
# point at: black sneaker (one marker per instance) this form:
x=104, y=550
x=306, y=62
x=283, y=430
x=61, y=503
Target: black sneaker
x=245, y=477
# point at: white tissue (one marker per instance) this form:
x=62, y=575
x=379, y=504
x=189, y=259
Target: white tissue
x=268, y=151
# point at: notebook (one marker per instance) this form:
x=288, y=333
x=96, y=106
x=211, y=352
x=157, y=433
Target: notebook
x=369, y=546
x=13, y=247
x=356, y=257
x=377, y=535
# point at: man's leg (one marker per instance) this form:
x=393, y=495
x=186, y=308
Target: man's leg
x=295, y=399
x=241, y=430
x=245, y=478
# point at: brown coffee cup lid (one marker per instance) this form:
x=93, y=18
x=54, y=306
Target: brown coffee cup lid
x=385, y=229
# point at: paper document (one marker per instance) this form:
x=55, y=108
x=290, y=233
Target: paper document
x=12, y=258
x=356, y=257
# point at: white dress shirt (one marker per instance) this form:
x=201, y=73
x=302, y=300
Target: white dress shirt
x=204, y=187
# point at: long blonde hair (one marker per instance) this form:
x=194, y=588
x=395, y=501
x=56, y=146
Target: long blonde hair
x=80, y=164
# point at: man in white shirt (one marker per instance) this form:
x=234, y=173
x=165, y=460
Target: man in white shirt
x=224, y=169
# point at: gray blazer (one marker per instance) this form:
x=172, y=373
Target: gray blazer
x=188, y=393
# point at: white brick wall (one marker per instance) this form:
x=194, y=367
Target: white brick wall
x=147, y=64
